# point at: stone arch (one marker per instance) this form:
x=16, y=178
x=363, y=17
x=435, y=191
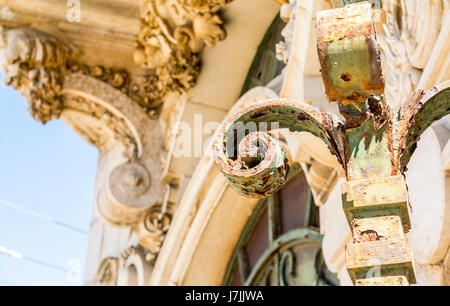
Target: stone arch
x=134, y=269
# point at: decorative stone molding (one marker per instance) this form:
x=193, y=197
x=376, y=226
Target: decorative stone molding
x=144, y=89
x=129, y=180
x=411, y=30
x=96, y=103
x=129, y=269
x=130, y=142
x=152, y=230
x=107, y=272
x=34, y=63
x=127, y=194
x=109, y=125
x=133, y=268
x=138, y=88
x=172, y=36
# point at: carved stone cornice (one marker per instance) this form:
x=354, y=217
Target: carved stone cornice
x=173, y=33
x=36, y=63
x=172, y=36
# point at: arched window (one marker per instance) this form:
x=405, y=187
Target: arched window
x=265, y=65
x=281, y=244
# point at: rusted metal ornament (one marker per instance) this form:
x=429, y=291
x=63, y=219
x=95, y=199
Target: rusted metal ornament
x=258, y=169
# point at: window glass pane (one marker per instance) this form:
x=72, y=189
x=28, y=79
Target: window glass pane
x=236, y=281
x=259, y=240
x=293, y=203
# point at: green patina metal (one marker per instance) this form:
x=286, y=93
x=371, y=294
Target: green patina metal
x=417, y=115
x=349, y=56
x=269, y=174
x=368, y=150
x=388, y=195
x=303, y=245
x=251, y=223
x=280, y=264
x=373, y=144
x=348, y=64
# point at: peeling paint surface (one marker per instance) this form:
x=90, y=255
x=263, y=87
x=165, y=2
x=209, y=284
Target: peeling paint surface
x=265, y=173
x=415, y=116
x=348, y=54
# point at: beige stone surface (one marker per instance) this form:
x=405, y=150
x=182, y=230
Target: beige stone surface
x=226, y=65
x=428, y=192
x=115, y=23
x=211, y=255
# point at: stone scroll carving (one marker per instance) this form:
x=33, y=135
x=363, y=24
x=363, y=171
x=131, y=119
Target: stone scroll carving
x=134, y=270
x=152, y=230
x=127, y=195
x=97, y=102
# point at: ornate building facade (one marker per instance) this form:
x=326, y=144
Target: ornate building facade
x=148, y=82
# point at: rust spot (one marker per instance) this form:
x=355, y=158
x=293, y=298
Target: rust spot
x=257, y=115
x=302, y=117
x=369, y=235
x=346, y=77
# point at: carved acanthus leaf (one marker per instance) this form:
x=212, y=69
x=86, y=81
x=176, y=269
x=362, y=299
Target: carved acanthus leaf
x=34, y=63
x=172, y=36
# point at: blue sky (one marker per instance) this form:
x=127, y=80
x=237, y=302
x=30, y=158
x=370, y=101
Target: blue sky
x=50, y=170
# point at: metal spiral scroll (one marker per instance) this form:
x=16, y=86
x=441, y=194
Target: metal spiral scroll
x=416, y=115
x=253, y=162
